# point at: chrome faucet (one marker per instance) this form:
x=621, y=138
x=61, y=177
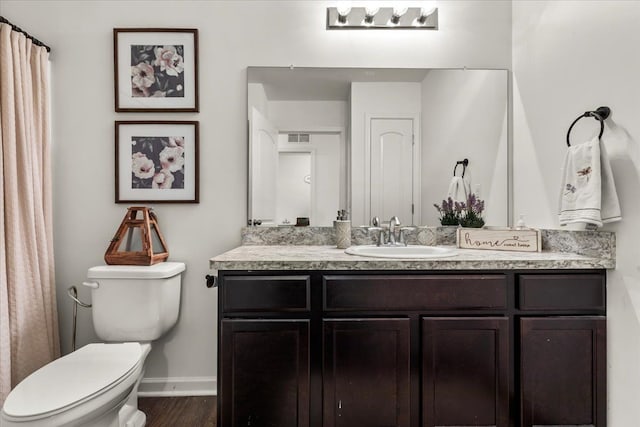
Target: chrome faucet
x=387, y=232
x=393, y=223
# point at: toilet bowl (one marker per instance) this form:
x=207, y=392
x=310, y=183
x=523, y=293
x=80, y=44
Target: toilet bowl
x=97, y=385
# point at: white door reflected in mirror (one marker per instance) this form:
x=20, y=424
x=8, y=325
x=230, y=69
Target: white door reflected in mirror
x=263, y=162
x=294, y=191
x=393, y=176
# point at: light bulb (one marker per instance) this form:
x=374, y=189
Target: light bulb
x=343, y=12
x=397, y=13
x=400, y=10
x=371, y=11
x=369, y=14
x=425, y=12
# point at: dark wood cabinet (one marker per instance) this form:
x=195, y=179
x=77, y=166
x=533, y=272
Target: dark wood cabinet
x=412, y=348
x=366, y=372
x=415, y=292
x=563, y=366
x=264, y=371
x=465, y=371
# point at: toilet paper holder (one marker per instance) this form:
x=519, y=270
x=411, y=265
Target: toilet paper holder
x=73, y=294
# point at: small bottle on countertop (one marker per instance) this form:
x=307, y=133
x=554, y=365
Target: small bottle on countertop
x=520, y=225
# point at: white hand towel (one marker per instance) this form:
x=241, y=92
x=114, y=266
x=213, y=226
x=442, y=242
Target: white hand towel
x=588, y=187
x=458, y=190
x=610, y=209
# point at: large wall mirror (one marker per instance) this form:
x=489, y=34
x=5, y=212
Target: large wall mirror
x=374, y=141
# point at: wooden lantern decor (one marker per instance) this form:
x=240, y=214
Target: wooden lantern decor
x=138, y=240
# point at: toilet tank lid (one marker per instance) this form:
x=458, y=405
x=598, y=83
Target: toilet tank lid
x=72, y=378
x=161, y=270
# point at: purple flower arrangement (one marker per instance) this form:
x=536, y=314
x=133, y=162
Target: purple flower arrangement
x=465, y=214
x=449, y=212
x=473, y=209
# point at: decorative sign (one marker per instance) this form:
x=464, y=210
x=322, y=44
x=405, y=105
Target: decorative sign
x=500, y=239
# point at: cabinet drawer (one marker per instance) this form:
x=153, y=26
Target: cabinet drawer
x=562, y=292
x=265, y=293
x=434, y=292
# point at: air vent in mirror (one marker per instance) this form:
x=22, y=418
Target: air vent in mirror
x=299, y=138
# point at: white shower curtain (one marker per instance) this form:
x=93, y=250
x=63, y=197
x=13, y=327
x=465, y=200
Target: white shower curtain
x=28, y=317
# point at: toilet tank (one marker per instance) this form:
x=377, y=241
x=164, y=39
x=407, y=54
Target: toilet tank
x=135, y=303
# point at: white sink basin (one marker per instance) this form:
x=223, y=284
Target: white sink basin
x=404, y=252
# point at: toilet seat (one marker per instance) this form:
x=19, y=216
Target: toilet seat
x=73, y=379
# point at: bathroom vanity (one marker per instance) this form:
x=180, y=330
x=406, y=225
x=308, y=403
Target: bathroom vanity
x=310, y=336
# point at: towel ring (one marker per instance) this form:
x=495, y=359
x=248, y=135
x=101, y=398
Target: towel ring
x=464, y=164
x=600, y=114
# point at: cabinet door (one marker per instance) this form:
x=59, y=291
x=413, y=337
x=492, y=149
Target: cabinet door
x=264, y=373
x=465, y=371
x=563, y=370
x=366, y=373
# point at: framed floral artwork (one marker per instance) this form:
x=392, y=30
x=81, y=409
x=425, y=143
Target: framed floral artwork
x=156, y=161
x=156, y=69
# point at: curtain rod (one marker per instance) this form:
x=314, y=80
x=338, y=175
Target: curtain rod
x=35, y=41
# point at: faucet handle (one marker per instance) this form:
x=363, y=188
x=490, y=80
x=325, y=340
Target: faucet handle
x=374, y=230
x=375, y=221
x=403, y=234
x=381, y=232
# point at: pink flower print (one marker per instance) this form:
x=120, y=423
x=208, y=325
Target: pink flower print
x=138, y=92
x=176, y=141
x=172, y=158
x=163, y=179
x=168, y=60
x=142, y=77
x=141, y=166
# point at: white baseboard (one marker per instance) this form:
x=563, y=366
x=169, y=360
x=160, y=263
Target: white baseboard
x=178, y=386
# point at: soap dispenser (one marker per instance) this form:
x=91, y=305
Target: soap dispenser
x=342, y=229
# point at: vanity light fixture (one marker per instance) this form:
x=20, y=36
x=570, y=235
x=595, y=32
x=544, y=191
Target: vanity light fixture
x=414, y=18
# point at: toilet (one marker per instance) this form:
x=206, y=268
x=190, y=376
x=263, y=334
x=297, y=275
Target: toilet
x=97, y=385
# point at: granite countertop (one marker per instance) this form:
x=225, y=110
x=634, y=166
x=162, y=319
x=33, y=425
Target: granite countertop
x=316, y=257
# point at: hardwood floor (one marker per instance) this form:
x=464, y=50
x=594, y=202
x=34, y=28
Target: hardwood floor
x=192, y=411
